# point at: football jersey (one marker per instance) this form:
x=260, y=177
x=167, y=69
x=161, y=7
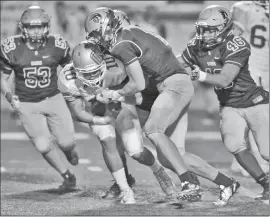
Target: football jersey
x=35, y=70
x=153, y=52
x=242, y=92
x=251, y=18
x=72, y=88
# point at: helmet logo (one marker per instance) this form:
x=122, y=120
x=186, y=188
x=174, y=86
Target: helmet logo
x=223, y=14
x=96, y=18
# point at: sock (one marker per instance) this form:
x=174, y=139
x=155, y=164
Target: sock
x=221, y=179
x=263, y=180
x=155, y=167
x=187, y=176
x=66, y=175
x=120, y=178
x=124, y=160
x=249, y=163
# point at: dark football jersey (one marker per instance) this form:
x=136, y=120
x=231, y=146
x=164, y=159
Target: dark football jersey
x=35, y=70
x=242, y=92
x=149, y=95
x=152, y=51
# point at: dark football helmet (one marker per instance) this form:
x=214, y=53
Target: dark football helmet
x=34, y=24
x=101, y=26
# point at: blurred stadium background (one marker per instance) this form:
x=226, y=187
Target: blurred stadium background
x=27, y=182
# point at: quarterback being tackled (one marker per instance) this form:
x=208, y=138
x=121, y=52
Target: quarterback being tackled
x=81, y=82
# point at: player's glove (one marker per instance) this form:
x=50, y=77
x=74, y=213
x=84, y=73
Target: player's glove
x=106, y=96
x=13, y=100
x=197, y=74
x=107, y=119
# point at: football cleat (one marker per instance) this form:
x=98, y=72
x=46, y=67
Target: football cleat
x=127, y=196
x=72, y=157
x=190, y=192
x=69, y=182
x=165, y=182
x=226, y=193
x=114, y=191
x=265, y=194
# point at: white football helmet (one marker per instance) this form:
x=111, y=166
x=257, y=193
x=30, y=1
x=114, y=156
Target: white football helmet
x=89, y=64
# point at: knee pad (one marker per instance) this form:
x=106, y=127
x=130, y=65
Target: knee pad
x=66, y=144
x=104, y=132
x=43, y=145
x=235, y=147
x=132, y=141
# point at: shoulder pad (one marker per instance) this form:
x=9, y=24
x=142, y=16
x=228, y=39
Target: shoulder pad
x=58, y=40
x=10, y=43
x=192, y=42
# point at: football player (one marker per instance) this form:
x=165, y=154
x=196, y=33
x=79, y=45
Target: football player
x=219, y=58
x=147, y=55
x=251, y=20
x=34, y=56
x=80, y=82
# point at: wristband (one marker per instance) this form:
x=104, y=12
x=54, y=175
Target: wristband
x=99, y=120
x=202, y=76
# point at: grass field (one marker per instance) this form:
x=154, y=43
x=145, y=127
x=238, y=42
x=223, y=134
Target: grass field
x=29, y=185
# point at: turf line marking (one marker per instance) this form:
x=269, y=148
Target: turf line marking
x=95, y=169
x=84, y=161
x=210, y=136
x=21, y=136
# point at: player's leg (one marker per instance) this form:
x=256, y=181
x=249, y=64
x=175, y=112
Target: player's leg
x=255, y=151
x=177, y=133
x=114, y=191
x=128, y=127
x=210, y=103
x=258, y=120
x=61, y=125
x=35, y=125
x=234, y=131
x=107, y=137
x=175, y=94
x=236, y=167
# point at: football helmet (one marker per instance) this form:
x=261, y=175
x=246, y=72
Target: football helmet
x=213, y=26
x=89, y=64
x=264, y=4
x=101, y=26
x=34, y=24
x=122, y=17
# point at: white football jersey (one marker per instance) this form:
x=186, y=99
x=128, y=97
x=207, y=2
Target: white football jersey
x=251, y=18
x=72, y=88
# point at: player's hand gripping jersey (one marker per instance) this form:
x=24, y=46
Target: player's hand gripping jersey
x=242, y=92
x=254, y=23
x=152, y=51
x=35, y=70
x=72, y=88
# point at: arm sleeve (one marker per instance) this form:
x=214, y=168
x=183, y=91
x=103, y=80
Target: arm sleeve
x=5, y=62
x=66, y=57
x=237, y=52
x=127, y=51
x=188, y=57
